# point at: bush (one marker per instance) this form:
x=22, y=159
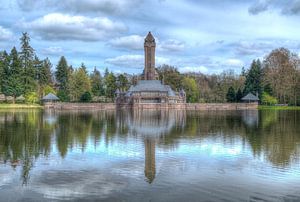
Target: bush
x=86, y=97
x=48, y=89
x=31, y=97
x=267, y=99
x=62, y=95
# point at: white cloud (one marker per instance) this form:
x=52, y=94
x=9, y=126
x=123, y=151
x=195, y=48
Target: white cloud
x=133, y=42
x=134, y=61
x=234, y=63
x=5, y=34
x=172, y=45
x=53, y=50
x=201, y=69
x=57, y=26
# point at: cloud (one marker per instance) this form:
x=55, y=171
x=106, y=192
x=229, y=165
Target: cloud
x=172, y=45
x=201, y=69
x=258, y=7
x=233, y=63
x=53, y=50
x=293, y=8
x=57, y=26
x=132, y=42
x=80, y=6
x=134, y=61
x=286, y=7
x=5, y=34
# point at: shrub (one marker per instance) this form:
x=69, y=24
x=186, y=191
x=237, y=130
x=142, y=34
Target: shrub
x=86, y=97
x=268, y=99
x=31, y=97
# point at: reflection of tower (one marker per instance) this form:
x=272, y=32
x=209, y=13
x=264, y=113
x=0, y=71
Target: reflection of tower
x=150, y=170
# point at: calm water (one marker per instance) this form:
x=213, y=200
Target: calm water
x=150, y=156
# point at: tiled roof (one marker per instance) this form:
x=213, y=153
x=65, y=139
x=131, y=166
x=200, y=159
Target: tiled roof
x=150, y=86
x=50, y=96
x=250, y=97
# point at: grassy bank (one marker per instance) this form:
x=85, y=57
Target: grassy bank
x=279, y=107
x=20, y=106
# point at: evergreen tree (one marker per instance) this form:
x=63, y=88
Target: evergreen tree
x=111, y=85
x=45, y=75
x=253, y=81
x=96, y=81
x=2, y=59
x=5, y=62
x=230, y=96
x=62, y=77
x=106, y=72
x=239, y=95
x=27, y=58
x=14, y=85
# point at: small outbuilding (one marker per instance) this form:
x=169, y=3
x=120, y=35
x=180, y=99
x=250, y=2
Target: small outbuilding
x=50, y=98
x=250, y=98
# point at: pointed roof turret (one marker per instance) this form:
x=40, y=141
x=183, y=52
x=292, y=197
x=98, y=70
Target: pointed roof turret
x=149, y=38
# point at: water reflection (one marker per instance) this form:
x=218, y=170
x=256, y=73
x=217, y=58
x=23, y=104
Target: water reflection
x=272, y=137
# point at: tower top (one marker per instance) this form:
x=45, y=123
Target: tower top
x=149, y=38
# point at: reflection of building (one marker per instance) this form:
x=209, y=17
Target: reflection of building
x=150, y=169
x=152, y=126
x=150, y=92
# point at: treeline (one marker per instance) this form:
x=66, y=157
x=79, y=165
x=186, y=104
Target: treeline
x=274, y=80
x=23, y=75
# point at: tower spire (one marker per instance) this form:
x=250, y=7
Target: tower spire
x=149, y=48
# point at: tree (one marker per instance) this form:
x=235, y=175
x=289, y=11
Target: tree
x=13, y=81
x=96, y=82
x=27, y=57
x=4, y=70
x=230, y=96
x=239, y=95
x=253, y=83
x=281, y=72
x=62, y=75
x=190, y=86
x=123, y=82
x=79, y=84
x=111, y=85
x=48, y=89
x=169, y=75
x=44, y=74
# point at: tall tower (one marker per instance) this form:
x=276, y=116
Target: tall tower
x=149, y=47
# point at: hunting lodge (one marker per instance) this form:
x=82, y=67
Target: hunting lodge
x=150, y=92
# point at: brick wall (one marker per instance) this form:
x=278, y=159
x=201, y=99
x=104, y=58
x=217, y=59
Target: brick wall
x=187, y=106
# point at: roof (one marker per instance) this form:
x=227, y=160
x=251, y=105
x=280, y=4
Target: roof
x=151, y=86
x=50, y=96
x=250, y=97
x=149, y=38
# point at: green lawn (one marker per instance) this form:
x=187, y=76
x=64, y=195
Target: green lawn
x=20, y=106
x=279, y=107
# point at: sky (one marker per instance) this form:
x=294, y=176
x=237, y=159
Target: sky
x=208, y=36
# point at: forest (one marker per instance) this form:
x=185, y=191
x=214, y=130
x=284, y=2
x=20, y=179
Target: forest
x=24, y=77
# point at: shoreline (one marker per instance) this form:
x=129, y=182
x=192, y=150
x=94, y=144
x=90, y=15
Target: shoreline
x=113, y=106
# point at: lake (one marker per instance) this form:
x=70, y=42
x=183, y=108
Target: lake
x=150, y=155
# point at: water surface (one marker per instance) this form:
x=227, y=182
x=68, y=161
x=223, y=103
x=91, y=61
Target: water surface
x=150, y=156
